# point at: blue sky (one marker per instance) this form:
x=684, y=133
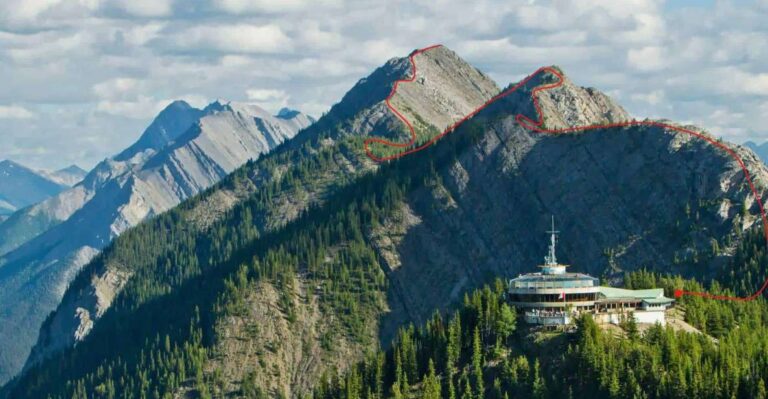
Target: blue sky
x=82, y=78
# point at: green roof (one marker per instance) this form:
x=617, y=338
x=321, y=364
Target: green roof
x=658, y=301
x=617, y=293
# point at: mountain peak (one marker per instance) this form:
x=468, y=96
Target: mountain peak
x=21, y=186
x=169, y=124
x=68, y=176
x=445, y=89
x=7, y=163
x=71, y=169
x=287, y=113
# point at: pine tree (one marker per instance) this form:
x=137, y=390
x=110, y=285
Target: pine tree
x=431, y=383
x=477, y=363
x=537, y=385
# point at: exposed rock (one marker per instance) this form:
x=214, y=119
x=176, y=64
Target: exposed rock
x=361, y=112
x=68, y=176
x=283, y=355
x=163, y=168
x=624, y=198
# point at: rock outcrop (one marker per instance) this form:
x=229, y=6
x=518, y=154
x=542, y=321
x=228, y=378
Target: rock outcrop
x=177, y=157
x=475, y=209
x=361, y=112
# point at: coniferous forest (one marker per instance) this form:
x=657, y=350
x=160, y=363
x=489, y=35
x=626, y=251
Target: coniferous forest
x=160, y=337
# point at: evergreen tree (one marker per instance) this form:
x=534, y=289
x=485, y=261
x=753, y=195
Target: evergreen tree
x=431, y=383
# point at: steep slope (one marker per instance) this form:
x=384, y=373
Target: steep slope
x=626, y=198
x=21, y=187
x=27, y=224
x=301, y=173
x=243, y=302
x=120, y=194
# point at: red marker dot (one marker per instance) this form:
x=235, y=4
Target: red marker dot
x=678, y=293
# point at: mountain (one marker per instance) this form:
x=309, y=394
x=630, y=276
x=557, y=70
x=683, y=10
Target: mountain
x=760, y=149
x=68, y=176
x=307, y=259
x=21, y=187
x=299, y=175
x=177, y=157
x=173, y=121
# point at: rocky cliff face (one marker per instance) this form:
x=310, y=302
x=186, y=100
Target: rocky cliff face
x=361, y=112
x=68, y=176
x=623, y=198
x=29, y=223
x=162, y=169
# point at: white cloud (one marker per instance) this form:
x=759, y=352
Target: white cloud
x=239, y=38
x=145, y=8
x=116, y=88
x=269, y=99
x=15, y=112
x=649, y=58
x=143, y=107
x=271, y=6
x=98, y=70
x=654, y=97
x=45, y=48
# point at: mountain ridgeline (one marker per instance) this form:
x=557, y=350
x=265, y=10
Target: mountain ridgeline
x=184, y=151
x=21, y=187
x=308, y=260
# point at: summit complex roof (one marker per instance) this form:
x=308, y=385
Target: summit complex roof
x=653, y=295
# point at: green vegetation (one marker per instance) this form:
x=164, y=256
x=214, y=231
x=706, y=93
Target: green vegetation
x=476, y=355
x=158, y=339
x=155, y=339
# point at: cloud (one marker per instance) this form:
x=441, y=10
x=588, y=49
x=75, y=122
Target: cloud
x=145, y=8
x=15, y=112
x=92, y=73
x=654, y=97
x=269, y=99
x=144, y=107
x=117, y=88
x=271, y=6
x=239, y=38
x=650, y=58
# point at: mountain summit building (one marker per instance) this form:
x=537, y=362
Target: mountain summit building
x=555, y=297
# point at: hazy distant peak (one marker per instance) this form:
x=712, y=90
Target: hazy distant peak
x=21, y=186
x=287, y=113
x=68, y=176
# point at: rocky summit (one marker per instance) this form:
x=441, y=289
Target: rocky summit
x=284, y=276
x=184, y=151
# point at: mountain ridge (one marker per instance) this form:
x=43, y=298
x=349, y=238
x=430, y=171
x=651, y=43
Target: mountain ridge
x=327, y=254
x=21, y=186
x=165, y=166
x=356, y=115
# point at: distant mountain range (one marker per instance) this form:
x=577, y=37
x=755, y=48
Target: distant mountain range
x=21, y=186
x=183, y=151
x=307, y=259
x=760, y=149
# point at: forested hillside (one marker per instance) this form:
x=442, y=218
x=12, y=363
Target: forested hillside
x=471, y=355
x=479, y=351
x=312, y=258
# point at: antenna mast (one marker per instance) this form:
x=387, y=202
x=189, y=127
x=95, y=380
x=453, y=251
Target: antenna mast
x=551, y=258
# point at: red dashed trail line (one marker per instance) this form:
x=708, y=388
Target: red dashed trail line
x=536, y=126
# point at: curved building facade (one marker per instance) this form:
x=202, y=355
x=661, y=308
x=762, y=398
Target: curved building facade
x=554, y=296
